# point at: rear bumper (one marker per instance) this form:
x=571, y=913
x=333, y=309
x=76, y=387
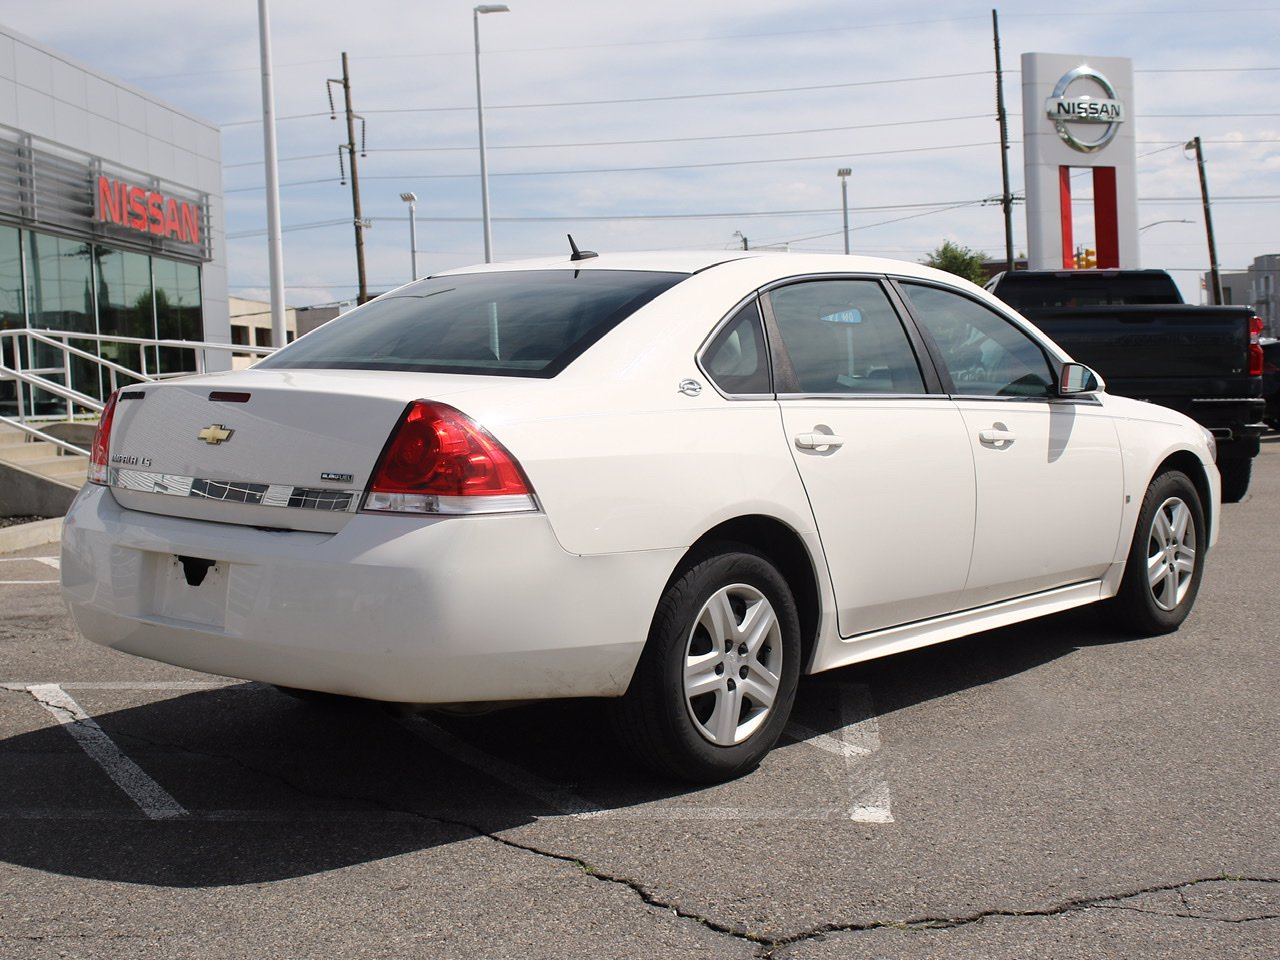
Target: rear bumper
x=1235, y=422
x=390, y=608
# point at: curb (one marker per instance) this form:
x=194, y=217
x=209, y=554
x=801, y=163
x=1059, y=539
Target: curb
x=36, y=534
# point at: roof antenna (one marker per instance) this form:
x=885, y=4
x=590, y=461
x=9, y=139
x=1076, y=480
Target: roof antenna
x=579, y=254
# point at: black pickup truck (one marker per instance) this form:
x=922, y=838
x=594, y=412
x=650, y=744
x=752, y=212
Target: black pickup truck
x=1132, y=327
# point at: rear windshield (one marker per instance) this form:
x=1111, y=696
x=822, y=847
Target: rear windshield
x=520, y=323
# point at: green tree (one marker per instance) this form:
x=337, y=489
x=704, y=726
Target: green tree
x=960, y=260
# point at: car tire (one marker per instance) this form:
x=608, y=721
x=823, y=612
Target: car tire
x=1235, y=479
x=1166, y=558
x=715, y=684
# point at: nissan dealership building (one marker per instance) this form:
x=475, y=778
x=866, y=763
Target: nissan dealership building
x=111, y=216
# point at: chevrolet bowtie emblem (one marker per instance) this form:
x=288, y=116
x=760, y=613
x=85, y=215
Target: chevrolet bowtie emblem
x=215, y=434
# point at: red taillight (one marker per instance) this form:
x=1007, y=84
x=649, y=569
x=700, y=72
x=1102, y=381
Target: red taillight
x=100, y=452
x=1256, y=359
x=439, y=460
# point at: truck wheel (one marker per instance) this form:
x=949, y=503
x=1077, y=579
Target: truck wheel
x=1166, y=560
x=718, y=675
x=1235, y=479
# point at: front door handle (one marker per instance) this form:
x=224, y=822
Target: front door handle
x=816, y=441
x=997, y=435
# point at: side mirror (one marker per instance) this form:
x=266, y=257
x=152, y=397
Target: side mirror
x=1076, y=379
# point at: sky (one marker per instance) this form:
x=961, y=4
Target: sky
x=689, y=125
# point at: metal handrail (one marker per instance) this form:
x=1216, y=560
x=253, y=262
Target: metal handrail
x=52, y=386
x=25, y=340
x=46, y=437
x=67, y=348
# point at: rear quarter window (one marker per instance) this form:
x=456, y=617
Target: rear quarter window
x=518, y=323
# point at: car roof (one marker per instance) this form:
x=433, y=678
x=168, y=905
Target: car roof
x=761, y=263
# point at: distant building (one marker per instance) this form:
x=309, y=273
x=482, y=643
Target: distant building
x=251, y=323
x=316, y=316
x=251, y=326
x=1258, y=287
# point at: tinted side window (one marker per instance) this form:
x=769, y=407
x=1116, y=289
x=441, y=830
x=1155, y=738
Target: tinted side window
x=736, y=359
x=985, y=354
x=843, y=336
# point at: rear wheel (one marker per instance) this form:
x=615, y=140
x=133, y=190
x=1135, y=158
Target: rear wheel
x=1166, y=560
x=717, y=678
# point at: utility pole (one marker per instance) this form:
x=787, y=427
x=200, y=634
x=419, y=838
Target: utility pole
x=1215, y=278
x=350, y=147
x=1006, y=197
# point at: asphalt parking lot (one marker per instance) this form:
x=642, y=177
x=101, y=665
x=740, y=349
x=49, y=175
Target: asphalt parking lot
x=1048, y=790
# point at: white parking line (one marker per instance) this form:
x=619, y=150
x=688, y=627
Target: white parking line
x=192, y=685
x=150, y=797
x=868, y=788
x=54, y=562
x=858, y=743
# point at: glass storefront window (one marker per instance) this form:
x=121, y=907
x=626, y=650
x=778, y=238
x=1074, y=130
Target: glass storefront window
x=178, y=311
x=59, y=283
x=125, y=307
x=13, y=314
x=55, y=283
x=60, y=297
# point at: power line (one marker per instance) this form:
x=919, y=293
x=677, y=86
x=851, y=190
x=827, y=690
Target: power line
x=664, y=99
x=642, y=169
x=627, y=217
x=470, y=148
x=1166, y=144
x=926, y=210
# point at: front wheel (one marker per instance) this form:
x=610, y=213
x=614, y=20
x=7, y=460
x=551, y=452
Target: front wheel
x=1166, y=559
x=717, y=678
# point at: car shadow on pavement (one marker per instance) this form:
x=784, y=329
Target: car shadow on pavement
x=944, y=669
x=268, y=788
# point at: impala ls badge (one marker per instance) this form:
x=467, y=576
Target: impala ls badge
x=215, y=434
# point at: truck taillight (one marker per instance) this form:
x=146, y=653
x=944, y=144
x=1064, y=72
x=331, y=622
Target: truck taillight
x=440, y=461
x=1256, y=360
x=100, y=452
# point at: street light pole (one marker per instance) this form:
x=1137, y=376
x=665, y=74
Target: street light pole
x=275, y=243
x=412, y=199
x=484, y=169
x=843, y=174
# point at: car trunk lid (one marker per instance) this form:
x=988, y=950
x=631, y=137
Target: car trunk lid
x=288, y=449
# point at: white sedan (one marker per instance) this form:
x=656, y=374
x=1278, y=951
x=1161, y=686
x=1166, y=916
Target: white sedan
x=674, y=480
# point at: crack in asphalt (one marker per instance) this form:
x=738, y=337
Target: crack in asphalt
x=1070, y=906
x=767, y=948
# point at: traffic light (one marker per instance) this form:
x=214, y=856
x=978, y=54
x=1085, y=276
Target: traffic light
x=1090, y=259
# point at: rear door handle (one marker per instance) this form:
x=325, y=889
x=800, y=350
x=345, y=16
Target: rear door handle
x=815, y=441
